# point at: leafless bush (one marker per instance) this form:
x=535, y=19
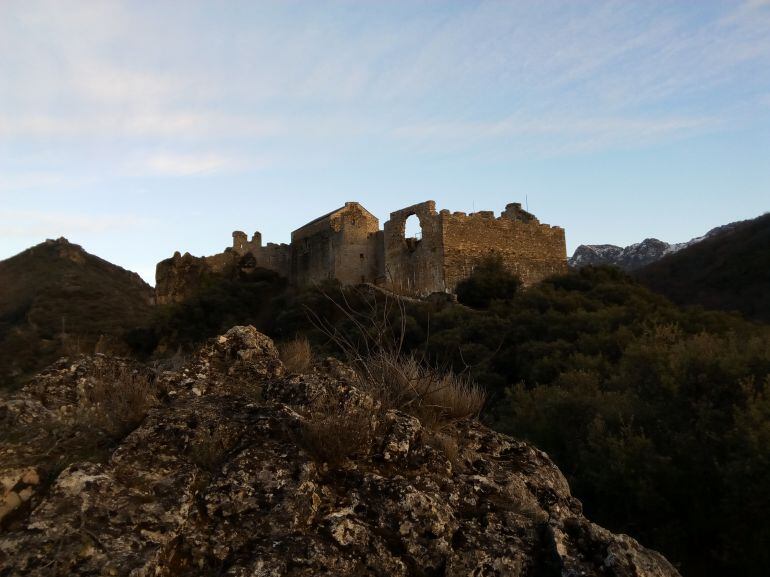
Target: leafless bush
x=117, y=400
x=400, y=381
x=296, y=355
x=336, y=429
x=405, y=383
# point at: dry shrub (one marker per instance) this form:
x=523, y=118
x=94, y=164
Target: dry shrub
x=112, y=402
x=406, y=384
x=173, y=364
x=336, y=429
x=296, y=355
x=117, y=400
x=396, y=380
x=445, y=444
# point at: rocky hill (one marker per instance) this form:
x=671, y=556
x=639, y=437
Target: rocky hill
x=636, y=255
x=231, y=466
x=729, y=269
x=55, y=298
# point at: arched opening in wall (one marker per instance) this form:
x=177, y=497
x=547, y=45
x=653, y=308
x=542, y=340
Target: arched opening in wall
x=412, y=232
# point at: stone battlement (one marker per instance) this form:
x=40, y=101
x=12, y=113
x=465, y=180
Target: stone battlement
x=348, y=245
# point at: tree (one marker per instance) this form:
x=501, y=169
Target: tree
x=489, y=281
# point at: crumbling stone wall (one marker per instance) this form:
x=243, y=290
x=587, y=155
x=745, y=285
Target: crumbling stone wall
x=348, y=245
x=276, y=257
x=414, y=265
x=452, y=244
x=340, y=245
x=529, y=249
x=179, y=277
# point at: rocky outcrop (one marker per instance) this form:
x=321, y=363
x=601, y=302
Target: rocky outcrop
x=219, y=478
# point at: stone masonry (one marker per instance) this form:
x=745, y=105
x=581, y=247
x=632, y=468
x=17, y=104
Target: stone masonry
x=348, y=245
x=340, y=245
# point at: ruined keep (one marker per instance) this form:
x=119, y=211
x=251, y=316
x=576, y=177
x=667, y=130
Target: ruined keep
x=348, y=245
x=342, y=245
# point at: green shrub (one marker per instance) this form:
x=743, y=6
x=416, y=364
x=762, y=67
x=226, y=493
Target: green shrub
x=489, y=281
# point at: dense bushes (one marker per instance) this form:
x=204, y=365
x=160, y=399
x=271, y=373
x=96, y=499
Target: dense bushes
x=490, y=281
x=659, y=446
x=219, y=305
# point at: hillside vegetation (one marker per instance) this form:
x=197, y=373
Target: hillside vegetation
x=728, y=271
x=658, y=415
x=56, y=299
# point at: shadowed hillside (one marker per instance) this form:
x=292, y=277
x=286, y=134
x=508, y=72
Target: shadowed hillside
x=728, y=271
x=55, y=299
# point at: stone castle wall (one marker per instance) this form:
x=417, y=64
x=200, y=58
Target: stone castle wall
x=529, y=249
x=348, y=245
x=340, y=245
x=452, y=244
x=414, y=265
x=179, y=277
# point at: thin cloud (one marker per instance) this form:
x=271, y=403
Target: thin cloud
x=169, y=163
x=25, y=223
x=562, y=134
x=117, y=74
x=140, y=124
x=186, y=164
x=25, y=181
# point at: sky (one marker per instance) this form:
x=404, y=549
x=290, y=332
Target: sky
x=139, y=128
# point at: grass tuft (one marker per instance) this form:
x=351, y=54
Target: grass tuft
x=117, y=400
x=404, y=383
x=336, y=429
x=296, y=355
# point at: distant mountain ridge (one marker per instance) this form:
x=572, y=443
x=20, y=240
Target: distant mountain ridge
x=635, y=256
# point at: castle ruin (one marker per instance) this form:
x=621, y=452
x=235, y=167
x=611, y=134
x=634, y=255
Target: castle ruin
x=348, y=245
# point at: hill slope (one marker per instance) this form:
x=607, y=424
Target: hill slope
x=55, y=297
x=729, y=270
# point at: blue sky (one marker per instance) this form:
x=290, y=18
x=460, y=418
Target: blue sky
x=144, y=127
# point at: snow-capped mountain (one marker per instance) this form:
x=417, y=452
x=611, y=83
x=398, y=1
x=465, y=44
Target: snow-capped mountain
x=636, y=255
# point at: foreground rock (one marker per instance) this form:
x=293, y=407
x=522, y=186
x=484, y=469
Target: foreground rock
x=220, y=479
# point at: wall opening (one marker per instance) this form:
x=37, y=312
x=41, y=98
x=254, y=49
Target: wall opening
x=412, y=228
x=412, y=232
